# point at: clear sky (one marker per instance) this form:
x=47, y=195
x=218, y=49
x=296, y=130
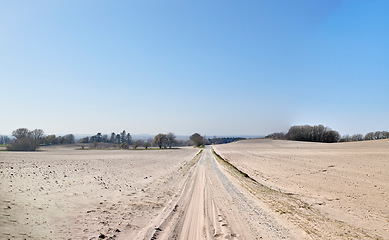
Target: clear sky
x=215, y=67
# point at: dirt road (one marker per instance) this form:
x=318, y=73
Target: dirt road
x=212, y=205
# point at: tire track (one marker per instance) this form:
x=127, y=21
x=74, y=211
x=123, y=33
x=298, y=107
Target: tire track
x=212, y=207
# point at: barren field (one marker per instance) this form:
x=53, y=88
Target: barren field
x=62, y=193
x=253, y=189
x=331, y=191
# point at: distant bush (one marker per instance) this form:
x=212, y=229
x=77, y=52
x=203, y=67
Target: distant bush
x=25, y=140
x=137, y=144
x=197, y=139
x=24, y=144
x=123, y=145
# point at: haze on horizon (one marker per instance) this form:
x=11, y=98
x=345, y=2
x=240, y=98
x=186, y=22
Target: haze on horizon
x=217, y=68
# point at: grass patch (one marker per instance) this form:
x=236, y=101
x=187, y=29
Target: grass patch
x=199, y=154
x=201, y=146
x=231, y=166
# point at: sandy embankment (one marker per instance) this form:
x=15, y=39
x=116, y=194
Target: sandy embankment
x=342, y=188
x=62, y=193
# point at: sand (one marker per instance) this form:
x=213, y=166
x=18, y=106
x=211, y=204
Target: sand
x=259, y=189
x=341, y=188
x=213, y=205
x=63, y=193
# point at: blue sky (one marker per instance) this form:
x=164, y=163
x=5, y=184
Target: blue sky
x=214, y=67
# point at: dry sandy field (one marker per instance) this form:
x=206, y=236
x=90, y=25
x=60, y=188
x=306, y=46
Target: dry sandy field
x=331, y=191
x=252, y=189
x=63, y=193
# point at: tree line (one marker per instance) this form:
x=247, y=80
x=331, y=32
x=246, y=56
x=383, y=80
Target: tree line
x=369, y=136
x=377, y=135
x=222, y=140
x=30, y=140
x=319, y=133
x=125, y=141
x=160, y=140
x=165, y=140
x=120, y=138
x=54, y=140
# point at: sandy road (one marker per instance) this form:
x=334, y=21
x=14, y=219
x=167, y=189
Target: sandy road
x=201, y=218
x=212, y=205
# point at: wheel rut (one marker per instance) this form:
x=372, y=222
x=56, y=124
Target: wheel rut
x=213, y=207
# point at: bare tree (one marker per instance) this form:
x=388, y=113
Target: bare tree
x=357, y=137
x=160, y=140
x=37, y=134
x=69, y=138
x=21, y=133
x=377, y=135
x=170, y=139
x=25, y=140
x=146, y=145
x=385, y=134
x=51, y=139
x=137, y=144
x=345, y=138
x=369, y=136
